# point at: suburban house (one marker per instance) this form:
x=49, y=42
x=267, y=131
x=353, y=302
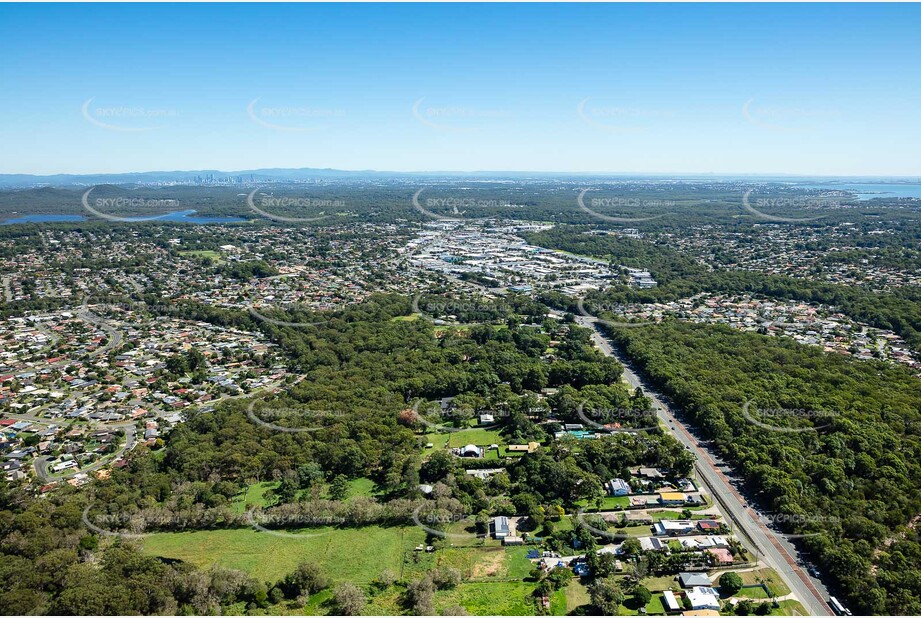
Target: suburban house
x=722, y=555
x=500, y=527
x=487, y=419
x=652, y=474
x=673, y=527
x=670, y=603
x=672, y=498
x=651, y=543
x=703, y=597
x=708, y=526
x=618, y=487
x=690, y=580
x=484, y=473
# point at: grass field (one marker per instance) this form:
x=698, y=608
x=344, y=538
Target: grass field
x=610, y=503
x=358, y=555
x=479, y=437
x=665, y=582
x=789, y=608
x=211, y=255
x=254, y=496
x=490, y=598
x=438, y=440
x=767, y=576
x=576, y=596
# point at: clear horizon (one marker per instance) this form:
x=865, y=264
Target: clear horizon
x=711, y=90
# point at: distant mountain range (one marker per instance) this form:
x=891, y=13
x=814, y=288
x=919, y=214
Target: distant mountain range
x=206, y=177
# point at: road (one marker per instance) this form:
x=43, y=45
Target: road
x=115, y=337
x=770, y=546
x=7, y=292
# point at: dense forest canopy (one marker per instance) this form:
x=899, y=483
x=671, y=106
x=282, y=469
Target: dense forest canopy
x=848, y=479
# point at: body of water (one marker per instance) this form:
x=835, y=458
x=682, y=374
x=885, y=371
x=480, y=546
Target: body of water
x=43, y=219
x=868, y=191
x=180, y=216
x=185, y=216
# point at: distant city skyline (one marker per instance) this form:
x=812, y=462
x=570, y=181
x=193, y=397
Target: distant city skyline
x=809, y=90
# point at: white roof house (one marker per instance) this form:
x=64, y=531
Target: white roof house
x=703, y=598
x=670, y=602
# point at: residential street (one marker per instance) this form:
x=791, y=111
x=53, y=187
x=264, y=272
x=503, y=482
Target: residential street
x=770, y=546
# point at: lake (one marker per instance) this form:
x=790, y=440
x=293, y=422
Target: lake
x=180, y=216
x=43, y=219
x=870, y=190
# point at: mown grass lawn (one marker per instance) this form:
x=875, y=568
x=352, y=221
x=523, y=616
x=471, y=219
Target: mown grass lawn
x=479, y=437
x=789, y=608
x=211, y=255
x=767, y=576
x=362, y=487
x=609, y=503
x=349, y=554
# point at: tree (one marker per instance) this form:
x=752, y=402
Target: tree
x=606, y=595
x=309, y=474
x=730, y=583
x=386, y=579
x=437, y=467
x=339, y=488
x=631, y=547
x=446, y=577
x=306, y=579
x=420, y=595
x=559, y=577
x=744, y=607
x=349, y=599
x=642, y=595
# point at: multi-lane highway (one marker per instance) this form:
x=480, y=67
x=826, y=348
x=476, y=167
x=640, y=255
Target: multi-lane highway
x=770, y=546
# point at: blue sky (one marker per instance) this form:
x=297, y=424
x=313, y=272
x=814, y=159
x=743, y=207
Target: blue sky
x=803, y=89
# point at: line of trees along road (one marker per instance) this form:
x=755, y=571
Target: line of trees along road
x=848, y=473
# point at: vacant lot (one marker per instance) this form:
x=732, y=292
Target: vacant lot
x=766, y=576
x=490, y=599
x=353, y=554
